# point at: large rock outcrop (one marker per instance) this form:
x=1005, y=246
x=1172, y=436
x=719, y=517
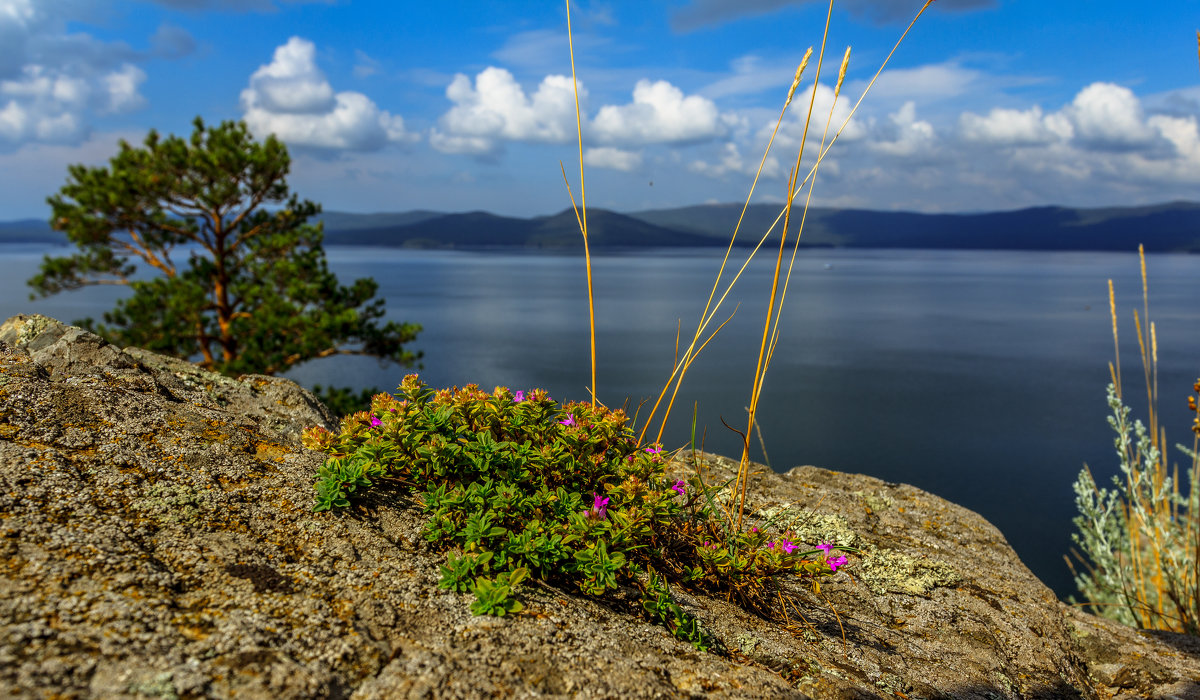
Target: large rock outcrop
x=157, y=540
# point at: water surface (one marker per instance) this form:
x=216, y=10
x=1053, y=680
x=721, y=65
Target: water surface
x=978, y=376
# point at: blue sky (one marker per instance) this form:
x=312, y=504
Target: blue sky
x=391, y=106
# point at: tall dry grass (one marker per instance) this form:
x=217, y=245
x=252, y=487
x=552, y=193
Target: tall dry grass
x=782, y=275
x=1139, y=542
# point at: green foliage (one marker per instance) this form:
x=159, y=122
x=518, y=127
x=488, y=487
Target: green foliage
x=255, y=295
x=517, y=486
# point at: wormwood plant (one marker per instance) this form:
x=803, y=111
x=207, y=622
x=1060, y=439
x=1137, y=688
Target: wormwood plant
x=516, y=486
x=1140, y=540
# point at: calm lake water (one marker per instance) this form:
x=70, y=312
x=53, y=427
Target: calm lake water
x=978, y=376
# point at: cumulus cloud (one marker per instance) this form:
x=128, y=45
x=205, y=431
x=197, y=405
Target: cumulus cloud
x=659, y=113
x=495, y=108
x=613, y=158
x=1012, y=127
x=291, y=98
x=1103, y=137
x=1102, y=117
x=730, y=161
x=702, y=13
x=909, y=135
x=792, y=128
x=49, y=105
x=1109, y=116
x=52, y=81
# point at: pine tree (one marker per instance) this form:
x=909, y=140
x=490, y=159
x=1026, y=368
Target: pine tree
x=255, y=295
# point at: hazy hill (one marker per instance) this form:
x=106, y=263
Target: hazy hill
x=343, y=221
x=480, y=229
x=1168, y=227
x=29, y=231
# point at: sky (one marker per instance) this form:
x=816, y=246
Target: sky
x=389, y=105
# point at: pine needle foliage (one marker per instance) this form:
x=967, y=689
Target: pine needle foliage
x=254, y=295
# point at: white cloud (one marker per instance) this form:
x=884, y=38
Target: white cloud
x=923, y=83
x=792, y=128
x=659, y=113
x=731, y=161
x=1014, y=127
x=614, y=158
x=1102, y=141
x=1109, y=116
x=291, y=98
x=495, y=108
x=49, y=105
x=51, y=81
x=910, y=136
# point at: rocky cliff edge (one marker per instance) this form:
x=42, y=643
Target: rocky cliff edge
x=157, y=540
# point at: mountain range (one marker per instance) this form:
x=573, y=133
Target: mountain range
x=1169, y=227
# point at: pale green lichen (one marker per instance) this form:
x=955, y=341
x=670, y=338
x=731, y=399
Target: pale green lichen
x=877, y=501
x=810, y=527
x=30, y=327
x=171, y=504
x=884, y=570
x=746, y=643
x=159, y=686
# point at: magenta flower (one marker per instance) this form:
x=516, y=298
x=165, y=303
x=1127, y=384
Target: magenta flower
x=754, y=529
x=599, y=507
x=827, y=547
x=376, y=422
x=787, y=546
x=679, y=487
x=519, y=396
x=569, y=420
x=770, y=545
x=835, y=562
x=654, y=450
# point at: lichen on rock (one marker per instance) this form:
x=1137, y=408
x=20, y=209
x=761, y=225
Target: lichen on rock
x=157, y=540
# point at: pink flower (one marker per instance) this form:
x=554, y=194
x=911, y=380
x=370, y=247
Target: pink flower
x=835, y=562
x=679, y=487
x=569, y=420
x=654, y=450
x=754, y=529
x=787, y=546
x=827, y=547
x=599, y=507
x=519, y=396
x=770, y=545
x=376, y=422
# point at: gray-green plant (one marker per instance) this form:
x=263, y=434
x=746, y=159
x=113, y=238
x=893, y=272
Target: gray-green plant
x=1139, y=541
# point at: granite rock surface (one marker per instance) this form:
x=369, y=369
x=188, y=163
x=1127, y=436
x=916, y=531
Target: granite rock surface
x=157, y=540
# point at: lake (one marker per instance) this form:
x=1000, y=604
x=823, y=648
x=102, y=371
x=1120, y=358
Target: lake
x=978, y=376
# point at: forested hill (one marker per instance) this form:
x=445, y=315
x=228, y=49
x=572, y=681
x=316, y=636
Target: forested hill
x=1170, y=227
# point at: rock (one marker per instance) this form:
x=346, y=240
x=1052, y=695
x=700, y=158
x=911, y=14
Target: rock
x=157, y=539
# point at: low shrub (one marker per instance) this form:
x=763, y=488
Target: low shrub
x=516, y=486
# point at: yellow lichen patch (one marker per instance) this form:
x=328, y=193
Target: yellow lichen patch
x=884, y=570
x=270, y=451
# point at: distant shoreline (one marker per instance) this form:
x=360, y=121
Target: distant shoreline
x=1172, y=227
